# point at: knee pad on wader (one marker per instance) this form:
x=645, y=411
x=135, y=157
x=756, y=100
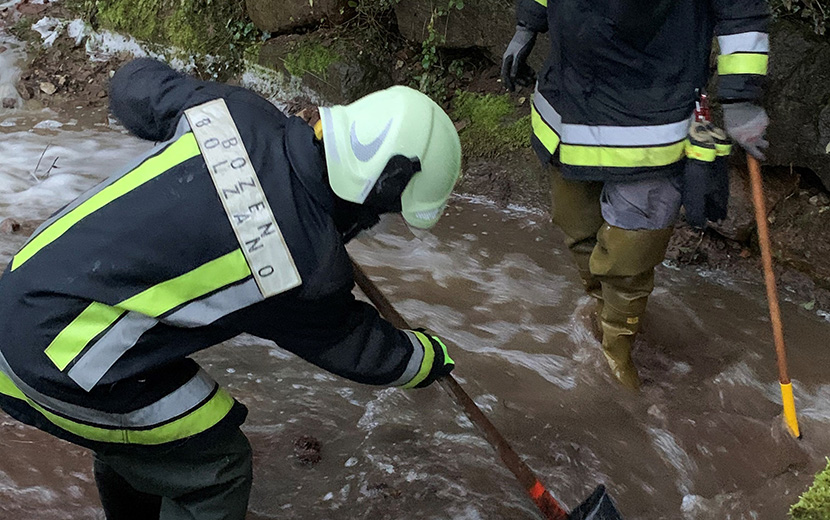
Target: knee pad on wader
x=624, y=262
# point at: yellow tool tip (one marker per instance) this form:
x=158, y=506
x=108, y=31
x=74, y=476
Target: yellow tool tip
x=790, y=419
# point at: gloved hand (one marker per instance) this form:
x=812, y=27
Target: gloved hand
x=514, y=67
x=442, y=363
x=746, y=123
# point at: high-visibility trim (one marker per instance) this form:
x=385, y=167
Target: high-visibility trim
x=196, y=421
x=206, y=278
x=621, y=157
x=609, y=135
x=187, y=397
x=207, y=310
x=415, y=360
x=181, y=150
x=700, y=153
x=742, y=63
x=546, y=135
x=153, y=302
x=426, y=362
x=546, y=112
x=723, y=149
x=752, y=41
x=543, y=3
x=91, y=322
x=243, y=198
x=146, y=305
x=444, y=350
x=608, y=145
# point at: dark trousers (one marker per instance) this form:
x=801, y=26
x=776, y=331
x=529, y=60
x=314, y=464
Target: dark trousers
x=194, y=479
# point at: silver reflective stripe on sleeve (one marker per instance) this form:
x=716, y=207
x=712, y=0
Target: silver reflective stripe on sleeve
x=102, y=355
x=93, y=365
x=177, y=403
x=415, y=360
x=755, y=42
x=207, y=310
x=181, y=129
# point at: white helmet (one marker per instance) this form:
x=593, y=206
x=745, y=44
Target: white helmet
x=360, y=139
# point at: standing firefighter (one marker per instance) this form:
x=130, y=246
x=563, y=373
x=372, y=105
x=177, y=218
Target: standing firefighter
x=612, y=109
x=235, y=223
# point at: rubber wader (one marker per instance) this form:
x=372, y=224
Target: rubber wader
x=576, y=211
x=624, y=261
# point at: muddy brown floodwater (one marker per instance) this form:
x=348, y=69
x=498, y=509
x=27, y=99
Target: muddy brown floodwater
x=702, y=440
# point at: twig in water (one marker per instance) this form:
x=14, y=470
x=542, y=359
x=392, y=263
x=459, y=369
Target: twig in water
x=50, y=168
x=34, y=172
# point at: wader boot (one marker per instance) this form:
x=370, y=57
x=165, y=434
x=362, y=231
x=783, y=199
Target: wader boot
x=624, y=262
x=576, y=211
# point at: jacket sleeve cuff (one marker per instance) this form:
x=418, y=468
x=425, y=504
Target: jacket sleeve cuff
x=742, y=65
x=533, y=14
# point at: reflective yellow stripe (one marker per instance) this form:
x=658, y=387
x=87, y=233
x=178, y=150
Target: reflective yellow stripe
x=205, y=279
x=543, y=3
x=74, y=338
x=742, y=63
x=723, y=149
x=700, y=153
x=621, y=157
x=152, y=302
x=197, y=421
x=426, y=363
x=542, y=131
x=447, y=357
x=181, y=150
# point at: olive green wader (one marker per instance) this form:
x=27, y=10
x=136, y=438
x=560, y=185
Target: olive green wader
x=616, y=266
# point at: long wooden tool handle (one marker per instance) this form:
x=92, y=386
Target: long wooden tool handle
x=547, y=504
x=772, y=293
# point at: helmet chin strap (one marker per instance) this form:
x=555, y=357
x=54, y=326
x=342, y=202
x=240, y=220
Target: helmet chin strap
x=385, y=197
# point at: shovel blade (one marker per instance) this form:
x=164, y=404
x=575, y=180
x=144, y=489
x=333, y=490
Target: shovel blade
x=598, y=506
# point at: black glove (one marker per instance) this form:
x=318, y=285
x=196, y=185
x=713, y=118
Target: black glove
x=514, y=67
x=706, y=175
x=442, y=363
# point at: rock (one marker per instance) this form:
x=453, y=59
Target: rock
x=483, y=24
x=9, y=102
x=9, y=226
x=480, y=23
x=348, y=76
x=48, y=88
x=282, y=16
x=307, y=449
x=796, y=98
x=24, y=91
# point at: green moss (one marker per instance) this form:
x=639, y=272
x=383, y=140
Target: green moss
x=492, y=127
x=310, y=57
x=815, y=503
x=137, y=18
x=221, y=29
